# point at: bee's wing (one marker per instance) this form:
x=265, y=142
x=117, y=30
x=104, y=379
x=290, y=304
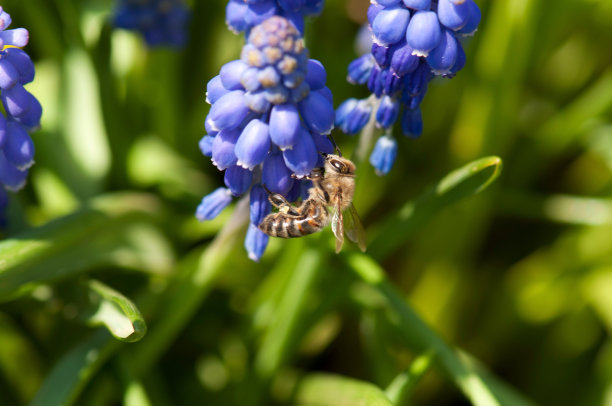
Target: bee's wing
x=354, y=228
x=337, y=223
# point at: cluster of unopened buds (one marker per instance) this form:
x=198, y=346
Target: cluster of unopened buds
x=22, y=111
x=413, y=41
x=270, y=116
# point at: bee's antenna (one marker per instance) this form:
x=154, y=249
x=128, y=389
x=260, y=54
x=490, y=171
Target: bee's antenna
x=266, y=189
x=335, y=145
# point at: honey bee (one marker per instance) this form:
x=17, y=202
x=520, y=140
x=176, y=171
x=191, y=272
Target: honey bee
x=333, y=186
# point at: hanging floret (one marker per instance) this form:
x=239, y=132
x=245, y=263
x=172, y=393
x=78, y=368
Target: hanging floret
x=22, y=109
x=412, y=42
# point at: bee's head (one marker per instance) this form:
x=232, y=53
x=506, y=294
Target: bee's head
x=338, y=165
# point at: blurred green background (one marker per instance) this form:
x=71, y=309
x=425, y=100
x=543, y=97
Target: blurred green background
x=517, y=275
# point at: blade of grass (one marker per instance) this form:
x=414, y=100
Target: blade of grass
x=281, y=336
x=564, y=209
x=400, y=389
x=116, y=312
x=42, y=26
x=568, y=127
x=337, y=390
x=68, y=377
x=481, y=388
x=72, y=372
x=458, y=184
x=485, y=122
x=83, y=127
x=17, y=350
x=113, y=229
x=196, y=277
x=375, y=338
x=134, y=391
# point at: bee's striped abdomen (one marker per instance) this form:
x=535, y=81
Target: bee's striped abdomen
x=283, y=225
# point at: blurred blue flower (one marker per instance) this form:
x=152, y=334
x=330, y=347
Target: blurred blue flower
x=243, y=15
x=383, y=155
x=161, y=22
x=412, y=42
x=22, y=111
x=269, y=118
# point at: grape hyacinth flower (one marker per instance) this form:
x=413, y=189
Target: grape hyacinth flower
x=413, y=41
x=22, y=111
x=242, y=15
x=270, y=116
x=161, y=22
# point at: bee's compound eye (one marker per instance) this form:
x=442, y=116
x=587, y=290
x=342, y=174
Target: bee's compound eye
x=338, y=165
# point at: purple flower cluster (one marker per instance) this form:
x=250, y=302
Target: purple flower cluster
x=22, y=109
x=413, y=41
x=242, y=15
x=161, y=22
x=270, y=115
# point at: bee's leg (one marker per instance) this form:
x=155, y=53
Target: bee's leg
x=314, y=175
x=277, y=200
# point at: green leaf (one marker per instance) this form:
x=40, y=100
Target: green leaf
x=111, y=230
x=70, y=374
x=84, y=131
x=401, y=387
x=197, y=274
x=460, y=183
x=113, y=310
x=282, y=334
x=565, y=209
x=482, y=388
x=596, y=287
x=337, y=390
x=17, y=350
x=151, y=162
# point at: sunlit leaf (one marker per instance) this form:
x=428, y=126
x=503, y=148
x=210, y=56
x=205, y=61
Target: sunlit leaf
x=400, y=389
x=70, y=374
x=113, y=310
x=111, y=230
x=477, y=385
x=460, y=183
x=337, y=390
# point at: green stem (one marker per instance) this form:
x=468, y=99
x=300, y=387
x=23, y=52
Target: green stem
x=468, y=180
x=74, y=370
x=283, y=332
x=400, y=389
x=70, y=375
x=480, y=387
x=182, y=299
